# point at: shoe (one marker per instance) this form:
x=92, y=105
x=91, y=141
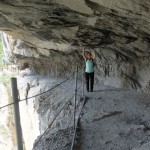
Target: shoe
x=91, y=90
x=87, y=90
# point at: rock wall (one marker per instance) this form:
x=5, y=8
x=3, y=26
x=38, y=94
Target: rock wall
x=38, y=112
x=47, y=36
x=52, y=31
x=7, y=128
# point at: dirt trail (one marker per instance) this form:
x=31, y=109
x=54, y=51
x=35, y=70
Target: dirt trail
x=115, y=119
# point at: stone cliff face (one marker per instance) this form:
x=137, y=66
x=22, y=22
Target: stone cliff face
x=38, y=112
x=46, y=36
x=7, y=128
x=51, y=31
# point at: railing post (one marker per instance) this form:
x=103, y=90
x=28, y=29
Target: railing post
x=75, y=96
x=56, y=71
x=17, y=113
x=83, y=82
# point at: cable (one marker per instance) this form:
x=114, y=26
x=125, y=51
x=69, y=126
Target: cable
x=52, y=122
x=57, y=86
x=74, y=136
x=7, y=105
x=79, y=86
x=65, y=104
x=49, y=89
x=55, y=119
x=38, y=94
x=71, y=117
x=61, y=100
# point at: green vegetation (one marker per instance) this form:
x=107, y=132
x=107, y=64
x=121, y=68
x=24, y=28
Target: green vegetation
x=1, y=53
x=4, y=77
x=2, y=129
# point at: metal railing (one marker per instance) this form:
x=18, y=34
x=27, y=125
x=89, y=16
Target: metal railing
x=16, y=100
x=80, y=110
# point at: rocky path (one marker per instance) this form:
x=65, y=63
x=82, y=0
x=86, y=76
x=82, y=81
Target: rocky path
x=115, y=119
x=112, y=119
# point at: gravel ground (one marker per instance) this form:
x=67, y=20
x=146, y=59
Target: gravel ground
x=60, y=140
x=115, y=119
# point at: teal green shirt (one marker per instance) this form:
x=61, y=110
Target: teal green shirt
x=89, y=67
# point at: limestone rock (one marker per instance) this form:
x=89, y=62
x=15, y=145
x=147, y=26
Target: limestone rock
x=143, y=147
x=46, y=35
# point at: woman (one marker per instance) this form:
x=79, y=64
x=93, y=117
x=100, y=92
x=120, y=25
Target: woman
x=89, y=69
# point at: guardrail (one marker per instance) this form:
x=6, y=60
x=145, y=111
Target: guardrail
x=16, y=100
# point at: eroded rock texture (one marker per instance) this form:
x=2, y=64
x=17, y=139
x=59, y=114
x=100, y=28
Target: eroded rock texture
x=119, y=30
x=38, y=113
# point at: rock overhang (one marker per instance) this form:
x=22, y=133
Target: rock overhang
x=53, y=30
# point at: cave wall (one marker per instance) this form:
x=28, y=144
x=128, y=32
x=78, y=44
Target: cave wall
x=50, y=33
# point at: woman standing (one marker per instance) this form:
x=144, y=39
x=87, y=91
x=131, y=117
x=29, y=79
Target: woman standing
x=89, y=69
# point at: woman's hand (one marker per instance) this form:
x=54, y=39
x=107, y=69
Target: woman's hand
x=83, y=54
x=94, y=56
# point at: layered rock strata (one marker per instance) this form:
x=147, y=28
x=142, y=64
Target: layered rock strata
x=51, y=33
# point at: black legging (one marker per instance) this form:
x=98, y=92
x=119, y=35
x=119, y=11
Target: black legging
x=89, y=77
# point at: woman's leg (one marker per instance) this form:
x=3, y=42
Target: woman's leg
x=91, y=81
x=87, y=80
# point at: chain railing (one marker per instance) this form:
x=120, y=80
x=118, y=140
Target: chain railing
x=57, y=85
x=75, y=116
x=76, y=121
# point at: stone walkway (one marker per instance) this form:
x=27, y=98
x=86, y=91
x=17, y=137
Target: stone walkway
x=115, y=119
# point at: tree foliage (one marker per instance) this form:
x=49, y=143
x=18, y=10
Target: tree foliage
x=1, y=48
x=1, y=53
